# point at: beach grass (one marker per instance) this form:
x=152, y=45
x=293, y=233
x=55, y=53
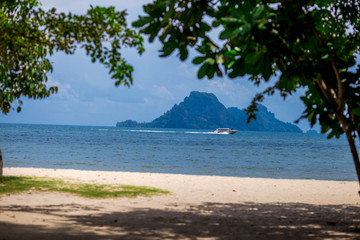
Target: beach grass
x=12, y=184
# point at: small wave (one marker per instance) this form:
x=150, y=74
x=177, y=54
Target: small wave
x=150, y=131
x=102, y=129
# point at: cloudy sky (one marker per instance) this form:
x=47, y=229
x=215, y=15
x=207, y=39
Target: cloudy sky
x=88, y=96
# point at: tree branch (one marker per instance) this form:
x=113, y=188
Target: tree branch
x=328, y=93
x=339, y=98
x=351, y=142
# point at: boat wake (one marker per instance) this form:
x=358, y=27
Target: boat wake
x=150, y=131
x=165, y=131
x=200, y=132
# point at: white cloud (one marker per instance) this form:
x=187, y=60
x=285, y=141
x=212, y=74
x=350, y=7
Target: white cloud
x=65, y=91
x=162, y=92
x=232, y=93
x=187, y=70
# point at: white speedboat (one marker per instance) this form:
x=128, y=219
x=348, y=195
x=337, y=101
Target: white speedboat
x=225, y=131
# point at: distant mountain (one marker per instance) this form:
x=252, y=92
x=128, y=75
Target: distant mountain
x=204, y=111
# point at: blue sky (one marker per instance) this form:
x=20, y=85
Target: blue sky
x=88, y=96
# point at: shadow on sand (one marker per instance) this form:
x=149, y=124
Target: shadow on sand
x=209, y=220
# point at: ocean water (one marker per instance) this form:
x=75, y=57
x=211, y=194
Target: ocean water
x=180, y=151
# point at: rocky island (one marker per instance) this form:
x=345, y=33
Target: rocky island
x=202, y=110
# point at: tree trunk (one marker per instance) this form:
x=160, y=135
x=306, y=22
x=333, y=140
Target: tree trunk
x=1, y=164
x=352, y=145
x=354, y=154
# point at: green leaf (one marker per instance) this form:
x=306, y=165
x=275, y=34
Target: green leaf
x=231, y=33
x=211, y=71
x=219, y=59
x=231, y=20
x=168, y=48
x=331, y=134
x=246, y=29
x=237, y=12
x=253, y=58
x=202, y=71
x=216, y=23
x=198, y=60
x=10, y=97
x=258, y=13
x=239, y=68
x=288, y=82
x=183, y=53
x=312, y=118
x=204, y=27
x=326, y=56
x=356, y=111
x=210, y=61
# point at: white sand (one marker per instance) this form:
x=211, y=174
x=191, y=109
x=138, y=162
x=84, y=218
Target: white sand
x=208, y=207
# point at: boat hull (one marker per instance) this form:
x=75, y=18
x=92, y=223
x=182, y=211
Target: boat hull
x=225, y=131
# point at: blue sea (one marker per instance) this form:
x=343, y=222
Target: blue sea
x=180, y=151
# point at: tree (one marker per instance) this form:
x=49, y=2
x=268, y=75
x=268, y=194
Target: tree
x=302, y=44
x=29, y=36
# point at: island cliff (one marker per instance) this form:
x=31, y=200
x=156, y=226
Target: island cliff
x=204, y=111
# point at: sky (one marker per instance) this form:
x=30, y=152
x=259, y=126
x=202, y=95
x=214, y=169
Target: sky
x=88, y=96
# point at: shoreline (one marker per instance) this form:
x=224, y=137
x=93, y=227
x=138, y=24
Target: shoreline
x=199, y=207
x=216, y=188
x=180, y=174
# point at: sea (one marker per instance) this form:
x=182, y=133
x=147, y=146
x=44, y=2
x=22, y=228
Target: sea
x=177, y=151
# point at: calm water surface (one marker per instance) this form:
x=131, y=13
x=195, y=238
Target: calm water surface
x=184, y=151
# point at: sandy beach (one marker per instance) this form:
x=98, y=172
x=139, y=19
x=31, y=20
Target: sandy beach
x=199, y=207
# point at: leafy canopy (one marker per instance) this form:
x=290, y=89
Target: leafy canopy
x=29, y=36
x=303, y=44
